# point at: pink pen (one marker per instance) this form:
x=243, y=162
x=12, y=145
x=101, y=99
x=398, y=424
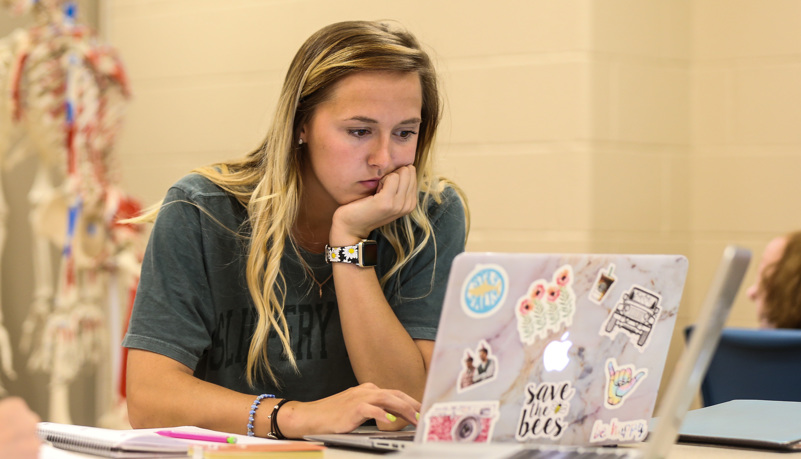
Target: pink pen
x=200, y=437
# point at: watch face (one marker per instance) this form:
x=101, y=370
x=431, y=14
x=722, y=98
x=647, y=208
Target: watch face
x=369, y=253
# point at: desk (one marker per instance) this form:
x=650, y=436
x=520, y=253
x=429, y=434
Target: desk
x=680, y=451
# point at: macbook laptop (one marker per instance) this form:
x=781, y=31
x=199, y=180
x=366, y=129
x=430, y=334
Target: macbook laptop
x=546, y=348
x=564, y=349
x=678, y=396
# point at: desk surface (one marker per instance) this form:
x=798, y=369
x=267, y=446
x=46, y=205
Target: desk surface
x=680, y=451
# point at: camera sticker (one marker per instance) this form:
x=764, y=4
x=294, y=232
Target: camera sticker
x=546, y=306
x=603, y=284
x=621, y=382
x=484, y=291
x=478, y=367
x=628, y=431
x=635, y=314
x=543, y=413
x=464, y=422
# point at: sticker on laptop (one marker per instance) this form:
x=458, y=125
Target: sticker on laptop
x=546, y=306
x=478, y=367
x=635, y=314
x=623, y=431
x=544, y=410
x=484, y=291
x=603, y=284
x=621, y=382
x=462, y=422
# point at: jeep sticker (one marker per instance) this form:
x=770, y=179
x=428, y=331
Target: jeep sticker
x=635, y=314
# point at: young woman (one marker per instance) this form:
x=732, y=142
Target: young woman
x=308, y=276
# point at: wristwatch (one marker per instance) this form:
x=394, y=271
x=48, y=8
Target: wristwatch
x=364, y=254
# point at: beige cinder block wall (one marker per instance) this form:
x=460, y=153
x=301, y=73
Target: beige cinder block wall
x=746, y=130
x=574, y=125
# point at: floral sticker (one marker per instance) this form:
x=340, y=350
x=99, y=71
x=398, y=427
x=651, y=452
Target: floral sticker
x=546, y=306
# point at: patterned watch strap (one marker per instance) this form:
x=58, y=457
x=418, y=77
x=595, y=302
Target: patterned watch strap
x=347, y=254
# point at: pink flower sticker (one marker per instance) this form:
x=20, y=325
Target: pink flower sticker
x=553, y=293
x=563, y=277
x=526, y=306
x=539, y=290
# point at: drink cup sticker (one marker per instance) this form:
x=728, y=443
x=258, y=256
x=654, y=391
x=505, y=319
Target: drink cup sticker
x=484, y=291
x=462, y=422
x=635, y=314
x=619, y=431
x=546, y=306
x=544, y=410
x=621, y=381
x=478, y=367
x=603, y=284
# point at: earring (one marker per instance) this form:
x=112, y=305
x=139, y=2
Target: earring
x=300, y=141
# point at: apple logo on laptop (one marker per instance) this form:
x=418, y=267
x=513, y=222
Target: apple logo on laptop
x=555, y=356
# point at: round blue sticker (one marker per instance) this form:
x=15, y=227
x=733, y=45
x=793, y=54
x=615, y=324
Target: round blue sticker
x=484, y=291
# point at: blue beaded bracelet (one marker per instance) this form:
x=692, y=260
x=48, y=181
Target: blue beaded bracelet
x=253, y=409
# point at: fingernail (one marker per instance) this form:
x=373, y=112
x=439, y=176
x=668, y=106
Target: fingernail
x=391, y=417
x=417, y=416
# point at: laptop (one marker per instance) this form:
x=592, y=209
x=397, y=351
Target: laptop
x=683, y=387
x=546, y=348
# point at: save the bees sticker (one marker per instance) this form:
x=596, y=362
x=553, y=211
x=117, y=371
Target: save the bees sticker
x=484, y=291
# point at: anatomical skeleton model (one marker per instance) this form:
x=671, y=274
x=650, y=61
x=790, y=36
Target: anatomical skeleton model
x=63, y=97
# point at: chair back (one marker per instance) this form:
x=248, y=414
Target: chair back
x=753, y=364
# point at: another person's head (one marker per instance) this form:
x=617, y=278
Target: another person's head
x=483, y=354
x=777, y=290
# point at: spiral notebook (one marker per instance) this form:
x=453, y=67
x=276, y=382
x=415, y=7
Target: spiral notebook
x=112, y=443
x=136, y=443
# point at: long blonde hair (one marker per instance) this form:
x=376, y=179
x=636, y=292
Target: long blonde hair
x=267, y=181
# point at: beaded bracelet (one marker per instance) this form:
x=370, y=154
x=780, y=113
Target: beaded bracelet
x=275, y=432
x=253, y=409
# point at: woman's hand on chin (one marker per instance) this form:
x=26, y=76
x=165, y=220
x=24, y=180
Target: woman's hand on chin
x=395, y=197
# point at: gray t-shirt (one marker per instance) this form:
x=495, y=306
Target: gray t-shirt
x=193, y=304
